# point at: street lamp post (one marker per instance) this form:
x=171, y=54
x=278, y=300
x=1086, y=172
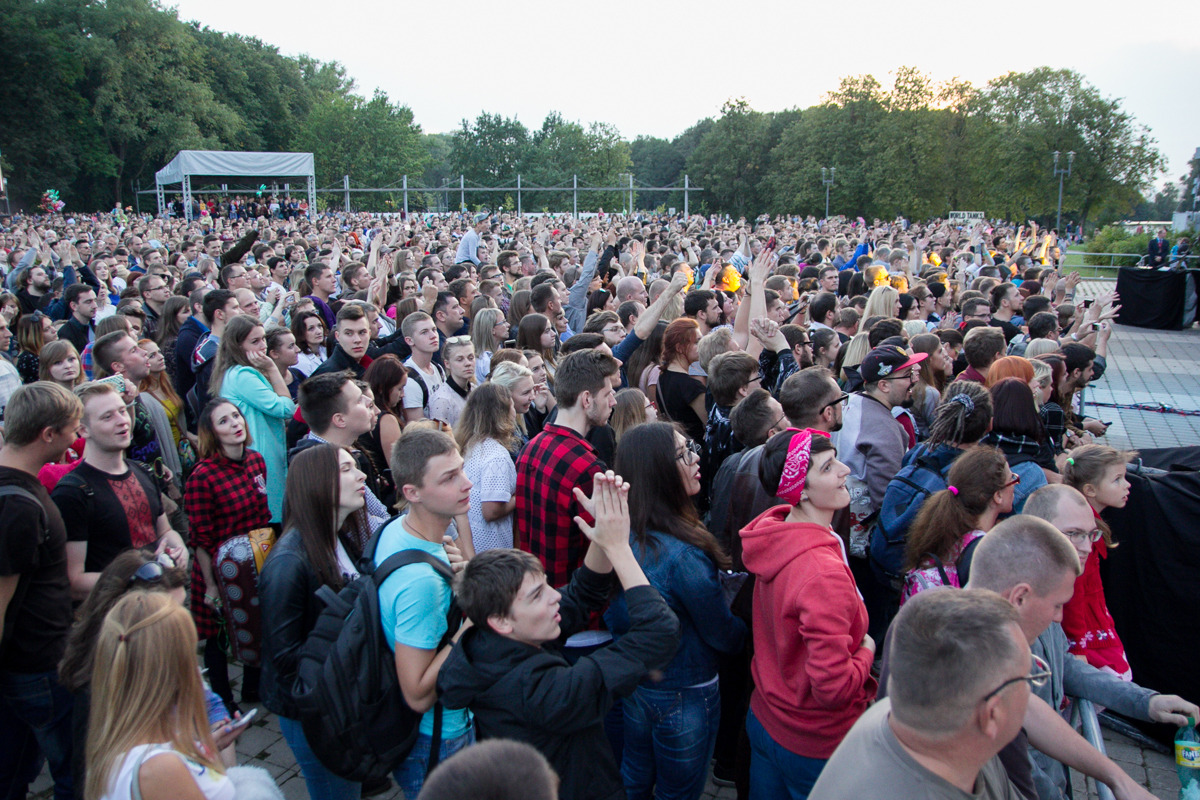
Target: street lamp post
x=1061, y=173
x=827, y=181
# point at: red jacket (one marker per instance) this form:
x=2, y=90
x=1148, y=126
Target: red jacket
x=812, y=679
x=1086, y=621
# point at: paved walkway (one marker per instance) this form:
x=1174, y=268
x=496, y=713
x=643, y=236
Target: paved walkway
x=1144, y=367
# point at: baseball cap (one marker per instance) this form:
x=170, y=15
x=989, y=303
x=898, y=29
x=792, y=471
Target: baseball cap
x=887, y=360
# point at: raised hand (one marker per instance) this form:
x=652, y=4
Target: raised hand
x=609, y=507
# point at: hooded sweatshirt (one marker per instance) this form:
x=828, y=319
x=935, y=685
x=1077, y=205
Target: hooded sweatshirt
x=531, y=694
x=812, y=679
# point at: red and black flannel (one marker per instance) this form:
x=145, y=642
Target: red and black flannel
x=223, y=498
x=553, y=463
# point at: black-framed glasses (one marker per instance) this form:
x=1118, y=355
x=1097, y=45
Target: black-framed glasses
x=1092, y=536
x=837, y=401
x=1038, y=677
x=690, y=449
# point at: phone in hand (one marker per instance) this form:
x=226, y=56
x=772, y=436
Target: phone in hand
x=243, y=720
x=1088, y=303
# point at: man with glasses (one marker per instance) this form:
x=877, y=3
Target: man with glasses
x=958, y=691
x=1068, y=511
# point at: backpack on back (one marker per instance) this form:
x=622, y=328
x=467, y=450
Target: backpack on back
x=350, y=703
x=916, y=481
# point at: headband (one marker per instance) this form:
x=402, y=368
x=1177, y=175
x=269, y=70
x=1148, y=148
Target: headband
x=963, y=400
x=795, y=466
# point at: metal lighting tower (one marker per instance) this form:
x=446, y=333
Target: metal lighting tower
x=827, y=180
x=1061, y=173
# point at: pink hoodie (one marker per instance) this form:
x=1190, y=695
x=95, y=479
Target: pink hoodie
x=812, y=680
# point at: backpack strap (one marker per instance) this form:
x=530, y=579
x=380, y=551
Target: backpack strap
x=72, y=480
x=12, y=490
x=416, y=376
x=964, y=561
x=937, y=562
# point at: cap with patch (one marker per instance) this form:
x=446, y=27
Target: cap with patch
x=887, y=361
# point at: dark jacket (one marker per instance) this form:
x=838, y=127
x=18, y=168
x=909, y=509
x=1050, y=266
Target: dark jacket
x=76, y=333
x=185, y=344
x=339, y=360
x=287, y=591
x=531, y=694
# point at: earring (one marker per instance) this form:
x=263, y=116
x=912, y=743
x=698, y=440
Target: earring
x=803, y=498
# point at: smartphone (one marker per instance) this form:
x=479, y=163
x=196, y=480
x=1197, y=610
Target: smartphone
x=244, y=720
x=510, y=343
x=116, y=381
x=1087, y=303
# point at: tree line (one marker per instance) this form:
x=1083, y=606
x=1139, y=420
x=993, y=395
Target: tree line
x=99, y=96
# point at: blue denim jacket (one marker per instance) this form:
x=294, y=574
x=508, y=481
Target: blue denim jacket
x=687, y=579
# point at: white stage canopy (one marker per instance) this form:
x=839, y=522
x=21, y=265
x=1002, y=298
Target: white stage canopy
x=217, y=164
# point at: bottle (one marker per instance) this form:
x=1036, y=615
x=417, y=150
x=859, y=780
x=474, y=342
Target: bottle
x=1187, y=761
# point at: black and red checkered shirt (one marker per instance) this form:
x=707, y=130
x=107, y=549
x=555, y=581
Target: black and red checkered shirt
x=223, y=498
x=553, y=463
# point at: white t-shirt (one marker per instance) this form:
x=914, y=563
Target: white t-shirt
x=434, y=379
x=493, y=474
x=214, y=785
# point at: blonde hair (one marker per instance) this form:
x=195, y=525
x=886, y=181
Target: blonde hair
x=55, y=353
x=145, y=688
x=856, y=350
x=880, y=303
x=1041, y=372
x=481, y=330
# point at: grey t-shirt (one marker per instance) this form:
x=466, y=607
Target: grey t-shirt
x=870, y=763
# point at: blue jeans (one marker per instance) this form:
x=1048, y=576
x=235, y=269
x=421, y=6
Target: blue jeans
x=35, y=723
x=411, y=772
x=669, y=739
x=775, y=771
x=322, y=784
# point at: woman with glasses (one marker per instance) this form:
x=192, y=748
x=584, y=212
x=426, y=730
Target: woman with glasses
x=148, y=734
x=979, y=489
x=319, y=547
x=225, y=496
x=812, y=655
x=133, y=570
x=670, y=721
x=633, y=408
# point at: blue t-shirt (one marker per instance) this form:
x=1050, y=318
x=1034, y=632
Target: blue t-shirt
x=413, y=603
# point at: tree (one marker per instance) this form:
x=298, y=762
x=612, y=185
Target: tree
x=1028, y=115
x=731, y=160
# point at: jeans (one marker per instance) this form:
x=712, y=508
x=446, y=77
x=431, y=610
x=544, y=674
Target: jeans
x=410, y=775
x=35, y=723
x=775, y=771
x=669, y=739
x=322, y=784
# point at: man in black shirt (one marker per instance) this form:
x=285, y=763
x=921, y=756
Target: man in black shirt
x=109, y=504
x=41, y=422
x=80, y=328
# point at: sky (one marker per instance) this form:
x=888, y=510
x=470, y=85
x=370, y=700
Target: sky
x=655, y=68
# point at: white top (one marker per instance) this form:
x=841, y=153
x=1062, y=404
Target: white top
x=308, y=362
x=214, y=785
x=412, y=390
x=493, y=474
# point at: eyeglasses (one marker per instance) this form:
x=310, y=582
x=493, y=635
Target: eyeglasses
x=1013, y=481
x=1092, y=536
x=1038, y=678
x=690, y=450
x=836, y=401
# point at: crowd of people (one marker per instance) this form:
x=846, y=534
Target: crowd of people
x=675, y=496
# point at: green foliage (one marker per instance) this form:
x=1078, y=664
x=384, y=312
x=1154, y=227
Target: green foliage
x=1114, y=239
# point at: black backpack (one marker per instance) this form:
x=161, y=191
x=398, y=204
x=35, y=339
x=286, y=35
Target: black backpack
x=350, y=703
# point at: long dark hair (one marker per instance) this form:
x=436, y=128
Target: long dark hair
x=1014, y=413
x=311, y=503
x=168, y=321
x=658, y=499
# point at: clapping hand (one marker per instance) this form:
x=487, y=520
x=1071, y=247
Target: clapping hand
x=609, y=507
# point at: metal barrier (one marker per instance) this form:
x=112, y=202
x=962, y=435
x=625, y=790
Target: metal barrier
x=1139, y=258
x=1083, y=713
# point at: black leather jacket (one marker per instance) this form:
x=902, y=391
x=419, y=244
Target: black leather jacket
x=287, y=591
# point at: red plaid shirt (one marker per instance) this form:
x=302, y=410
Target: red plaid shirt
x=223, y=498
x=553, y=463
